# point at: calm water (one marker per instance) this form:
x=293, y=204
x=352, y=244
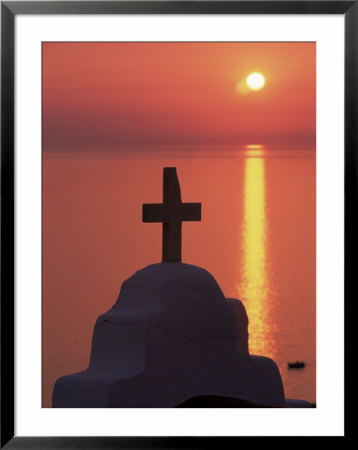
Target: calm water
x=257, y=238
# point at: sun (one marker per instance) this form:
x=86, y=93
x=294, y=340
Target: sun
x=255, y=81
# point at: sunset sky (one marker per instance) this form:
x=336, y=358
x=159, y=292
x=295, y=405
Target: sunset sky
x=113, y=96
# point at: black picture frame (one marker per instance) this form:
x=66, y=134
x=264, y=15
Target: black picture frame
x=9, y=10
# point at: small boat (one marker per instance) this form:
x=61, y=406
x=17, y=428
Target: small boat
x=296, y=365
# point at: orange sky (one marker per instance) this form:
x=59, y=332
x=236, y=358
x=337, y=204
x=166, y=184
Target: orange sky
x=130, y=95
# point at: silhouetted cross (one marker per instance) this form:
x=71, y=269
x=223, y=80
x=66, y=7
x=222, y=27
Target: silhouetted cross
x=172, y=212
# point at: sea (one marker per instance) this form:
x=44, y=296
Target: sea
x=257, y=237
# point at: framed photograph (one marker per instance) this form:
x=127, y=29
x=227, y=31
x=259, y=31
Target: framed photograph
x=179, y=193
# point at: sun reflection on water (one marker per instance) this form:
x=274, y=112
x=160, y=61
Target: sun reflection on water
x=254, y=288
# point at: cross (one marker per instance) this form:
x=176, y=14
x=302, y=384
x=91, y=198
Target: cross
x=172, y=212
